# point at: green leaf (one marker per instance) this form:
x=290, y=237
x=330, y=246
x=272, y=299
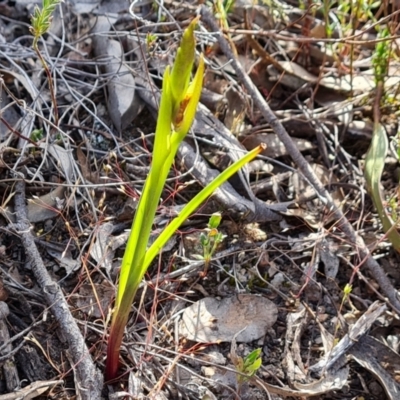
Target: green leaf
x=193, y=204
x=252, y=362
x=254, y=367
x=41, y=18
x=374, y=166
x=162, y=140
x=347, y=289
x=180, y=75
x=204, y=240
x=187, y=108
x=214, y=221
x=252, y=357
x=163, y=155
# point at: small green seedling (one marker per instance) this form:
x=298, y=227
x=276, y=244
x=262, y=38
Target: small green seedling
x=41, y=21
x=151, y=40
x=248, y=366
x=346, y=297
x=347, y=291
x=41, y=18
x=37, y=134
x=210, y=240
x=346, y=294
x=221, y=10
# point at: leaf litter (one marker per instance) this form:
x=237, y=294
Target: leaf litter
x=85, y=173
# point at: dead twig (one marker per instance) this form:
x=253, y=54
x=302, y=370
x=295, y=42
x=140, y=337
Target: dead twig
x=90, y=379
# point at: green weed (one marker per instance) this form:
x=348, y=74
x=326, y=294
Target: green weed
x=41, y=21
x=210, y=240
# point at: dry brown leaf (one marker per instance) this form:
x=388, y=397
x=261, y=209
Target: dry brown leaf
x=85, y=167
x=92, y=298
x=45, y=207
x=123, y=104
x=311, y=211
x=102, y=250
x=31, y=391
x=381, y=361
x=212, y=321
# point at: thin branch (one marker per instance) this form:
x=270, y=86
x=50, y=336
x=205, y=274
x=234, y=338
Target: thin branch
x=90, y=379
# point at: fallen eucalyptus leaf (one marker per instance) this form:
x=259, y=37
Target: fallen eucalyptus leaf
x=381, y=361
x=31, y=391
x=94, y=300
x=123, y=104
x=211, y=320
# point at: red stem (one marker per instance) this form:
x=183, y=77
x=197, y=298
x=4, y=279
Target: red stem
x=113, y=349
x=49, y=80
x=119, y=321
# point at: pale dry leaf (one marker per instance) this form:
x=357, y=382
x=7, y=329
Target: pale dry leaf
x=87, y=173
x=296, y=322
x=26, y=83
x=355, y=333
x=40, y=208
x=63, y=157
x=31, y=391
x=328, y=249
x=102, y=251
x=9, y=114
x=95, y=305
x=123, y=104
x=84, y=7
x=333, y=380
x=212, y=321
x=381, y=361
x=235, y=111
x=65, y=260
x=45, y=207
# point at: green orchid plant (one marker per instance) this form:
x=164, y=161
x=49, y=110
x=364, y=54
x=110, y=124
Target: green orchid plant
x=179, y=100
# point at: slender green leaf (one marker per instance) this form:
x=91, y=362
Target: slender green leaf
x=187, y=110
x=252, y=368
x=141, y=226
x=183, y=65
x=178, y=104
x=193, y=204
x=374, y=166
x=162, y=143
x=252, y=357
